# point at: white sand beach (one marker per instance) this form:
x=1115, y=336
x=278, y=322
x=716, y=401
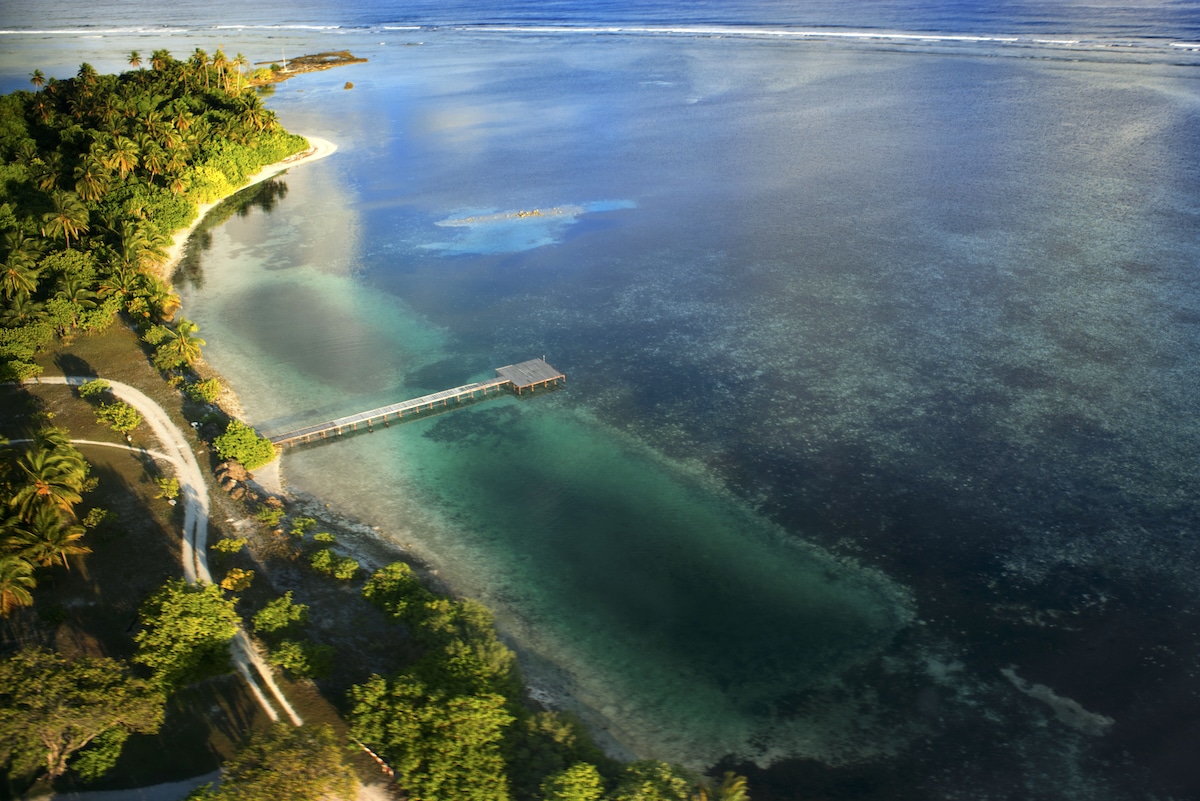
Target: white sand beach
x=318, y=149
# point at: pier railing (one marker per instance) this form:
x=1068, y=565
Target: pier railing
x=517, y=377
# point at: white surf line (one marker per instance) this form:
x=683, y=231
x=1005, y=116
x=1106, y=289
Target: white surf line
x=194, y=490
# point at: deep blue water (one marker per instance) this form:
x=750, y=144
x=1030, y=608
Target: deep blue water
x=877, y=464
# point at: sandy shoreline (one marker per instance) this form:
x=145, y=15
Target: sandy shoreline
x=268, y=477
x=318, y=148
x=370, y=545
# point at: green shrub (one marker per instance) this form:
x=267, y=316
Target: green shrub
x=325, y=537
x=119, y=416
x=237, y=580
x=168, y=487
x=280, y=615
x=345, y=569
x=242, y=443
x=229, y=545
x=205, y=391
x=156, y=335
x=97, y=517
x=94, y=388
x=271, y=515
x=302, y=659
x=301, y=525
x=323, y=560
x=186, y=634
x=340, y=567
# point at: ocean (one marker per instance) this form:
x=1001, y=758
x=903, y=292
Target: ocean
x=875, y=474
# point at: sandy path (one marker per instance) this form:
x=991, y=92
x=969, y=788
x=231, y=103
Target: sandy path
x=194, y=491
x=318, y=149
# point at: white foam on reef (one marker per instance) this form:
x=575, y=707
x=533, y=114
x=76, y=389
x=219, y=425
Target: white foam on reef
x=278, y=27
x=690, y=30
x=896, y=37
x=91, y=33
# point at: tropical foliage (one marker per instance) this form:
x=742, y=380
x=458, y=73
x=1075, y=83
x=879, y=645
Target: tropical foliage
x=97, y=172
x=186, y=633
x=243, y=444
x=340, y=567
x=302, y=659
x=280, y=615
x=52, y=708
x=39, y=528
x=285, y=762
x=453, y=726
x=119, y=416
x=206, y=391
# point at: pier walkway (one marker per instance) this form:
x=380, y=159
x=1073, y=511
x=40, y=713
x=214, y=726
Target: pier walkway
x=518, y=377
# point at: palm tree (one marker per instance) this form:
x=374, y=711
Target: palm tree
x=181, y=117
x=69, y=218
x=123, y=281
x=154, y=159
x=87, y=77
x=123, y=155
x=135, y=59
x=219, y=63
x=21, y=310
x=43, y=108
x=79, y=294
x=17, y=279
x=25, y=248
x=155, y=298
x=46, y=174
x=251, y=111
x=182, y=346
x=240, y=63
x=48, y=478
x=37, y=79
x=58, y=442
x=160, y=60
x=16, y=583
x=152, y=247
x=91, y=178
x=732, y=788
x=46, y=537
x=199, y=62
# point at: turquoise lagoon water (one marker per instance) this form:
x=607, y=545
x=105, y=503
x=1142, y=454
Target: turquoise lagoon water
x=881, y=361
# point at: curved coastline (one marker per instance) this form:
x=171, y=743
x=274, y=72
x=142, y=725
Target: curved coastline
x=368, y=544
x=267, y=477
x=318, y=149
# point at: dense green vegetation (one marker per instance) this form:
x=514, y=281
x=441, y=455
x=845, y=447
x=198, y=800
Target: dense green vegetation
x=454, y=727
x=186, y=634
x=96, y=173
x=285, y=762
x=51, y=708
x=242, y=443
x=42, y=483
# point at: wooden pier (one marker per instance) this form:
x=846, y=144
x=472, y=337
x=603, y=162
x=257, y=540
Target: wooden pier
x=517, y=377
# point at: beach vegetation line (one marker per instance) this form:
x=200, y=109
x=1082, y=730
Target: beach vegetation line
x=97, y=172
